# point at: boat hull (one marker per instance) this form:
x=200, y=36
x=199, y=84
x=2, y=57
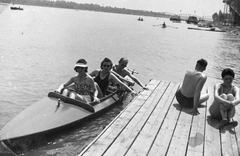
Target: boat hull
x=202, y=29
x=45, y=118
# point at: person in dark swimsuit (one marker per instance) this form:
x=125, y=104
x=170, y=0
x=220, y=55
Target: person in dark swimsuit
x=226, y=97
x=189, y=94
x=80, y=86
x=103, y=76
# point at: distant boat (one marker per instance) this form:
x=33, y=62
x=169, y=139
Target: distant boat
x=175, y=18
x=16, y=8
x=192, y=20
x=205, y=29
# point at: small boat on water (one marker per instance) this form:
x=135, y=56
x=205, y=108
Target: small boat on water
x=206, y=29
x=16, y=8
x=175, y=18
x=192, y=20
x=51, y=115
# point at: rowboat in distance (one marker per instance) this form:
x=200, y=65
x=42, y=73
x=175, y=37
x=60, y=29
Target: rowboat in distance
x=51, y=115
x=16, y=8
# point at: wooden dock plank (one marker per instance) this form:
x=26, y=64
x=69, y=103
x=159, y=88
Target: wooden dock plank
x=229, y=139
x=229, y=143
x=106, y=138
x=197, y=135
x=179, y=141
x=212, y=144
x=129, y=134
x=164, y=136
x=155, y=124
x=148, y=134
x=237, y=129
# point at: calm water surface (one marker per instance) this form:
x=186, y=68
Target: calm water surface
x=39, y=47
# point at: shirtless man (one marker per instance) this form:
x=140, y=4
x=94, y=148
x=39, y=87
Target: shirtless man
x=122, y=71
x=189, y=94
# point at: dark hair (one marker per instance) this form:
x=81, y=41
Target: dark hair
x=122, y=59
x=105, y=60
x=202, y=62
x=82, y=61
x=227, y=71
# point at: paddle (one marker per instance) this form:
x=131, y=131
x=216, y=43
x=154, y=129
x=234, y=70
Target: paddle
x=157, y=25
x=172, y=26
x=133, y=71
x=166, y=26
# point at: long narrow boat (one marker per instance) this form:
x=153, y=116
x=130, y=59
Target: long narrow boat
x=16, y=8
x=50, y=115
x=207, y=29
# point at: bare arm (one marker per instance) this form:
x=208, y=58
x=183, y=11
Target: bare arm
x=136, y=80
x=120, y=82
x=94, y=73
x=64, y=85
x=95, y=92
x=197, y=95
x=217, y=98
x=237, y=99
x=121, y=78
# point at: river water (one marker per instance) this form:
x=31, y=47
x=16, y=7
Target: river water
x=39, y=47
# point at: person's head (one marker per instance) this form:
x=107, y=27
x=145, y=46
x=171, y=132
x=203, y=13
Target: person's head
x=201, y=64
x=122, y=63
x=228, y=75
x=81, y=64
x=106, y=63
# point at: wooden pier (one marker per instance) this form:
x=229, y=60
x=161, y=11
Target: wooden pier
x=154, y=124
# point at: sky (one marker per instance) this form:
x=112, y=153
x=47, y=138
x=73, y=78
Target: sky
x=197, y=7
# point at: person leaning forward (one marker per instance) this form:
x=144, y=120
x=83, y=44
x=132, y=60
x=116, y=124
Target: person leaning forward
x=189, y=94
x=121, y=70
x=226, y=98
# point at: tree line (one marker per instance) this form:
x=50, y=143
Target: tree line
x=90, y=7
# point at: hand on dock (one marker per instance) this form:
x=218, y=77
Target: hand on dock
x=145, y=88
x=195, y=112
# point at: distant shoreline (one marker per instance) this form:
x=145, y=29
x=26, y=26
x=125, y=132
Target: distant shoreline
x=3, y=6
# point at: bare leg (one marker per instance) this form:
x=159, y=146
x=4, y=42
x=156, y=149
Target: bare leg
x=65, y=92
x=223, y=112
x=203, y=98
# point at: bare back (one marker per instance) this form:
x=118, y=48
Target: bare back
x=191, y=82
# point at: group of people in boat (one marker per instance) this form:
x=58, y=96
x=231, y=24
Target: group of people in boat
x=226, y=95
x=90, y=87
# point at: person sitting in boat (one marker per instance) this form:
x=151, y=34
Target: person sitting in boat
x=164, y=25
x=104, y=75
x=80, y=86
x=226, y=97
x=121, y=70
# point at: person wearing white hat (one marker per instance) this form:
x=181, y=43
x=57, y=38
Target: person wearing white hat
x=80, y=86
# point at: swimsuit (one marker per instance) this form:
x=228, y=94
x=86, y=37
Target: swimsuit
x=214, y=109
x=183, y=100
x=102, y=83
x=230, y=91
x=82, y=89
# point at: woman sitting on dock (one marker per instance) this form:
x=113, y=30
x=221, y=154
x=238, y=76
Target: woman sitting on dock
x=79, y=87
x=226, y=97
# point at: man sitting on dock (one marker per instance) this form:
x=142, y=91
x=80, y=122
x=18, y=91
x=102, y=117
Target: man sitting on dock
x=189, y=94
